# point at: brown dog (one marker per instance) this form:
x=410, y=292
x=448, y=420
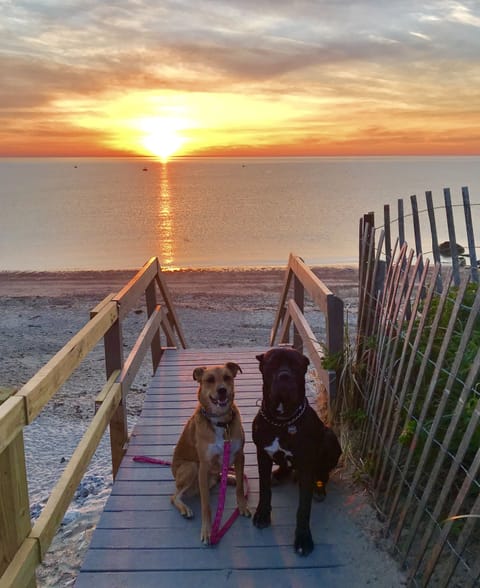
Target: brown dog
x=198, y=456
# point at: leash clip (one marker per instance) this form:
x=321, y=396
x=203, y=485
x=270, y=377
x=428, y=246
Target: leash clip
x=226, y=432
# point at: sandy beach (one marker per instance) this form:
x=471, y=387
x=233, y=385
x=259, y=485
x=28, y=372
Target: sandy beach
x=39, y=312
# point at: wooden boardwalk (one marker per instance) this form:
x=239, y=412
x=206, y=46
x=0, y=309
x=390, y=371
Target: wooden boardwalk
x=142, y=541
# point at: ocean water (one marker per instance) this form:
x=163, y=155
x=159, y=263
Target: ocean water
x=76, y=214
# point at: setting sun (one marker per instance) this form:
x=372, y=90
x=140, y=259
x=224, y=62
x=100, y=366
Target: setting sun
x=162, y=136
x=241, y=86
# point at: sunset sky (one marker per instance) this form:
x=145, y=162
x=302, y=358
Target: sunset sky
x=241, y=77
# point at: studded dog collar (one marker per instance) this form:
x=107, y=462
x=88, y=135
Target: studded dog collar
x=290, y=423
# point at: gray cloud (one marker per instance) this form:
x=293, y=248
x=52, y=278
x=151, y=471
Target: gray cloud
x=368, y=52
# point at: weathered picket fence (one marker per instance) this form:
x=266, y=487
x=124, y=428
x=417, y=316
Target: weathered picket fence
x=418, y=352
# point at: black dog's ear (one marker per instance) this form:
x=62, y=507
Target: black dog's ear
x=198, y=373
x=305, y=363
x=260, y=360
x=233, y=367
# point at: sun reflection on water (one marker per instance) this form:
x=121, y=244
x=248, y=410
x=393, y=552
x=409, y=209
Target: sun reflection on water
x=165, y=225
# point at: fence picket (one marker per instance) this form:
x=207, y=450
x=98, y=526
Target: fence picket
x=433, y=232
x=452, y=236
x=388, y=234
x=470, y=234
x=401, y=222
x=416, y=228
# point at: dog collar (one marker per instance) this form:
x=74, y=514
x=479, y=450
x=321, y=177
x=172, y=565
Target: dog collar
x=290, y=423
x=211, y=417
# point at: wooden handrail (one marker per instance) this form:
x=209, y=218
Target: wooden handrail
x=129, y=295
x=22, y=547
x=290, y=312
x=40, y=389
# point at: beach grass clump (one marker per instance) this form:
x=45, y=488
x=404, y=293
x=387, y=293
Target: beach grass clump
x=347, y=410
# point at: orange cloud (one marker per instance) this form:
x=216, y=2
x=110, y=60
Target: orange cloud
x=240, y=78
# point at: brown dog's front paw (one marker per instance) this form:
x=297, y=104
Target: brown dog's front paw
x=187, y=513
x=303, y=542
x=244, y=510
x=182, y=508
x=262, y=518
x=205, y=534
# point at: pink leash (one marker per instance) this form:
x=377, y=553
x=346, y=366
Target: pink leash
x=217, y=533
x=145, y=459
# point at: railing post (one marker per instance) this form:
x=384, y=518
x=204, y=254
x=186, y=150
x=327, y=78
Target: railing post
x=299, y=297
x=15, y=522
x=113, y=343
x=156, y=346
x=334, y=325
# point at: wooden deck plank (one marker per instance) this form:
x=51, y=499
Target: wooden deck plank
x=141, y=540
x=281, y=578
x=201, y=558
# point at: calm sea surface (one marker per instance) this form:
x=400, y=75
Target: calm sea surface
x=71, y=214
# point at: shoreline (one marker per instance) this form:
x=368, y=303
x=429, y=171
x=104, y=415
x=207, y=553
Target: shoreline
x=103, y=282
x=41, y=311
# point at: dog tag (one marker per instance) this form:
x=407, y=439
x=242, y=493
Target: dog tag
x=292, y=429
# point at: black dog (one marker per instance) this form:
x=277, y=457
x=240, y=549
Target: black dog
x=288, y=431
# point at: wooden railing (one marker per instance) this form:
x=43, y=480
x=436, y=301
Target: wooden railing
x=291, y=312
x=22, y=547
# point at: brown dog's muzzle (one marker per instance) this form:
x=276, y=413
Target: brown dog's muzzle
x=222, y=397
x=222, y=393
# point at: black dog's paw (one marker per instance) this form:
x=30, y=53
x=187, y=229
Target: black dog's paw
x=303, y=542
x=262, y=518
x=280, y=475
x=319, y=491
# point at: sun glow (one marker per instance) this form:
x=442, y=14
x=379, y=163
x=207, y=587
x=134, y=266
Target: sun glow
x=162, y=136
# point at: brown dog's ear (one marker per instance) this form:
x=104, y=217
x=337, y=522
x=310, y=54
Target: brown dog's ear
x=233, y=367
x=198, y=373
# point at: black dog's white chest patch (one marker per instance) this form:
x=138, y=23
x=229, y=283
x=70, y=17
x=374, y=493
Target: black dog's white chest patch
x=276, y=448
